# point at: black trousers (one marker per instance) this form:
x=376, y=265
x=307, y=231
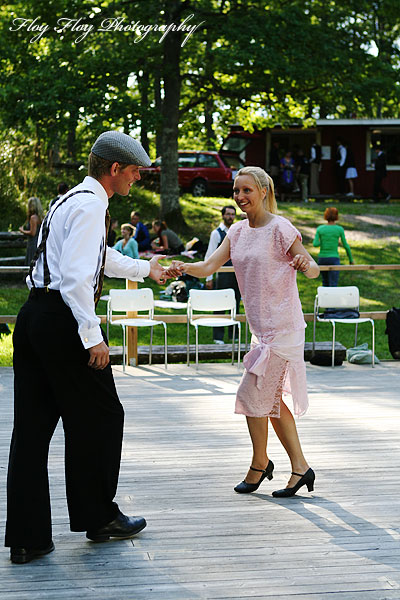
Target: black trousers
x=224, y=281
x=341, y=179
x=379, y=190
x=53, y=381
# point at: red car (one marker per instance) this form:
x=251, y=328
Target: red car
x=200, y=172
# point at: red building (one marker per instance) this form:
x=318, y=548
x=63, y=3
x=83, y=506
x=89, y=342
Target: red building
x=361, y=135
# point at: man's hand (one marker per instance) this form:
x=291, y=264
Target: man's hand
x=157, y=272
x=99, y=356
x=209, y=284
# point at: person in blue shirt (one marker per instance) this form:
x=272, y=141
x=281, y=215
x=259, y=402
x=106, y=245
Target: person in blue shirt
x=142, y=235
x=128, y=245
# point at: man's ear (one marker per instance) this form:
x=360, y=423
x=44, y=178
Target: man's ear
x=114, y=169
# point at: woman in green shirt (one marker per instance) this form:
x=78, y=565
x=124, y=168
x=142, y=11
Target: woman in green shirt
x=327, y=237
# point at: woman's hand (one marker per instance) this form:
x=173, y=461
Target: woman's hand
x=300, y=263
x=180, y=266
x=174, y=270
x=303, y=261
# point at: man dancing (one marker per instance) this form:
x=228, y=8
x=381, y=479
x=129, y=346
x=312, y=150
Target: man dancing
x=61, y=362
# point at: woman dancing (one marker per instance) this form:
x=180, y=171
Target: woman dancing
x=266, y=251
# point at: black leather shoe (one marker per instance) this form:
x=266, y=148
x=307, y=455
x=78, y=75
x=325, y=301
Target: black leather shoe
x=307, y=479
x=247, y=488
x=20, y=556
x=121, y=527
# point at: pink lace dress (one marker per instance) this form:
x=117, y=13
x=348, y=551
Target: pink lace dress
x=267, y=282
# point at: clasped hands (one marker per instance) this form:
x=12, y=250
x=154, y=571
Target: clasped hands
x=161, y=274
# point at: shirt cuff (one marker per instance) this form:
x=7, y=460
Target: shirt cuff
x=142, y=272
x=209, y=278
x=90, y=337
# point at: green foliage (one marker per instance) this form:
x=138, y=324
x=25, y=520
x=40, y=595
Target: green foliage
x=252, y=62
x=378, y=290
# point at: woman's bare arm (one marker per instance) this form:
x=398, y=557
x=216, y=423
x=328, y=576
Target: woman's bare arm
x=209, y=266
x=33, y=224
x=302, y=260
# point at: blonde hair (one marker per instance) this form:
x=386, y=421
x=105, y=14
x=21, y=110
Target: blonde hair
x=128, y=226
x=262, y=180
x=35, y=208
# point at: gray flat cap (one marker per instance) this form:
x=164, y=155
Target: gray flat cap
x=122, y=148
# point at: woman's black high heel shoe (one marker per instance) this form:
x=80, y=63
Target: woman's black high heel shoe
x=247, y=488
x=307, y=479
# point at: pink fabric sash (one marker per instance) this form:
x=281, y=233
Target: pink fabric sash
x=290, y=347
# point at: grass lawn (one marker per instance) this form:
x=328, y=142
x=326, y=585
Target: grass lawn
x=373, y=232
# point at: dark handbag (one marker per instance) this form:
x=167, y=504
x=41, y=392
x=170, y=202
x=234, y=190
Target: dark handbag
x=393, y=332
x=340, y=313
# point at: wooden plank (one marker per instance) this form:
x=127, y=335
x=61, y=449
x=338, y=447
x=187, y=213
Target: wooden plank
x=376, y=315
x=394, y=267
x=211, y=352
x=184, y=450
x=131, y=332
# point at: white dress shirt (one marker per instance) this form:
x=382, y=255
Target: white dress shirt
x=74, y=255
x=343, y=155
x=215, y=240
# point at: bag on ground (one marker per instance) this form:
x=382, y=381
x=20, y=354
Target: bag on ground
x=360, y=355
x=393, y=331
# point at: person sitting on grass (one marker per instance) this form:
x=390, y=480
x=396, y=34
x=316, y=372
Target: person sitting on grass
x=127, y=246
x=167, y=241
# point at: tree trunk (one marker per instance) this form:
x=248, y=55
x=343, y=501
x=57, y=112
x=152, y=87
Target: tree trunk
x=170, y=207
x=71, y=137
x=208, y=122
x=158, y=104
x=211, y=140
x=37, y=153
x=144, y=99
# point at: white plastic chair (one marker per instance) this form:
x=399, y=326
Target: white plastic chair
x=135, y=300
x=341, y=298
x=212, y=300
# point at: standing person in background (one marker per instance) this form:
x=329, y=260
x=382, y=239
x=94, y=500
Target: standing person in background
x=112, y=234
x=62, y=189
x=223, y=281
x=142, y=235
x=341, y=154
x=288, y=178
x=32, y=226
x=315, y=167
x=379, y=176
x=303, y=172
x=127, y=246
x=351, y=171
x=274, y=163
x=327, y=237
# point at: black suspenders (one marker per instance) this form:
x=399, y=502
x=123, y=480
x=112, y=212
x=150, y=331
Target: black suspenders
x=41, y=249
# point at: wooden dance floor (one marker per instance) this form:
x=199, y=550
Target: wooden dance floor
x=184, y=450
